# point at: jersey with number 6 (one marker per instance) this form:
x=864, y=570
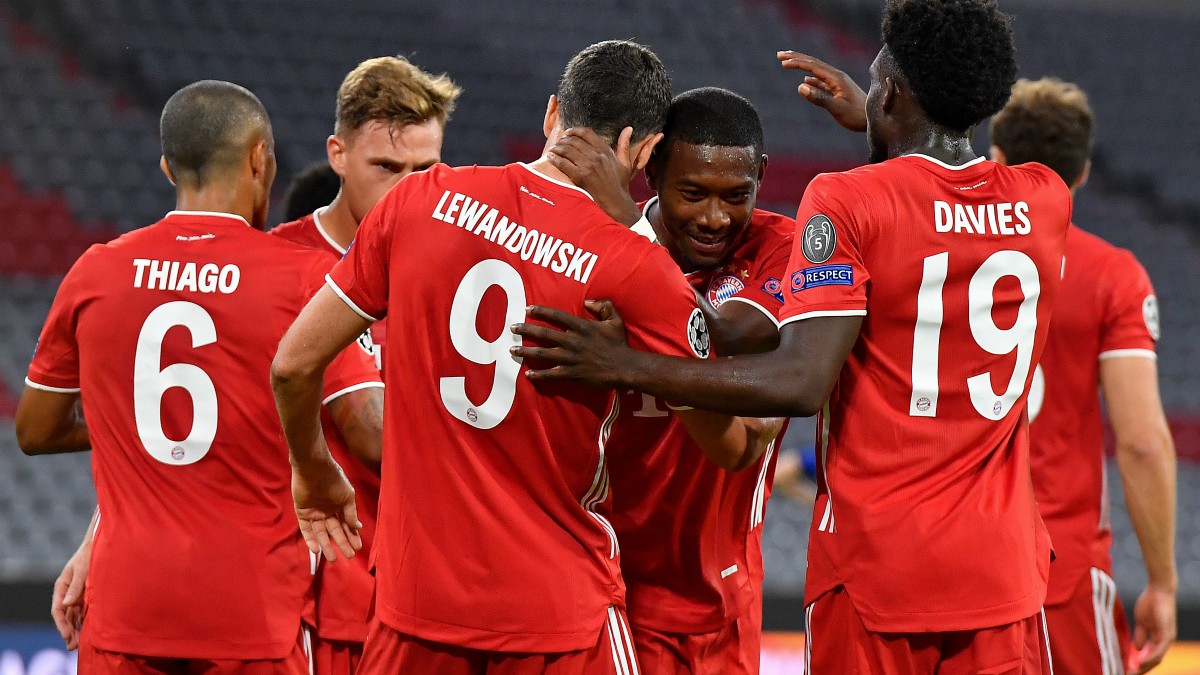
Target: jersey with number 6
x=494, y=527
x=168, y=334
x=925, y=511
x=1111, y=312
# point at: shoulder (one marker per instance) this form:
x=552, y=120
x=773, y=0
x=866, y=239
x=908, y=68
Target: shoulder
x=294, y=229
x=772, y=226
x=1040, y=176
x=1084, y=244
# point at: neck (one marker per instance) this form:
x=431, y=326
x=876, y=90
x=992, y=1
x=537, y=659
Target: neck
x=544, y=167
x=339, y=222
x=953, y=148
x=654, y=215
x=217, y=198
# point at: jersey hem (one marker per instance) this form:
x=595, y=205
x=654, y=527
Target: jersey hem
x=489, y=640
x=45, y=387
x=347, y=390
x=346, y=299
x=1136, y=353
x=737, y=298
x=192, y=648
x=821, y=313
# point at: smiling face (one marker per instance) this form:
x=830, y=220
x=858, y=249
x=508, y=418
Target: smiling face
x=374, y=157
x=706, y=196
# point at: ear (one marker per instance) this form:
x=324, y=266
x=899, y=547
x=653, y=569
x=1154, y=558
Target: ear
x=551, y=120
x=642, y=151
x=654, y=166
x=1083, y=176
x=258, y=158
x=335, y=151
x=762, y=168
x=998, y=155
x=166, y=169
x=891, y=92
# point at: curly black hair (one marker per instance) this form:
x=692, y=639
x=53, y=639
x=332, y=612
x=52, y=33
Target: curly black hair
x=956, y=55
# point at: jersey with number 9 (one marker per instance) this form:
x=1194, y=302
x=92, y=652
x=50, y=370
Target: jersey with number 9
x=925, y=512
x=493, y=528
x=168, y=334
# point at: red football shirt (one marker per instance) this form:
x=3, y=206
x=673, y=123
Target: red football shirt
x=168, y=333
x=494, y=519
x=686, y=525
x=344, y=590
x=925, y=511
x=1112, y=312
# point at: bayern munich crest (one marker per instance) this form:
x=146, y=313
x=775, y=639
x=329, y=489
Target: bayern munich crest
x=721, y=289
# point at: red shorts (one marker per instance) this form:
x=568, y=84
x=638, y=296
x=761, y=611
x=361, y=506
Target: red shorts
x=721, y=652
x=838, y=642
x=94, y=660
x=335, y=657
x=389, y=652
x=1089, y=631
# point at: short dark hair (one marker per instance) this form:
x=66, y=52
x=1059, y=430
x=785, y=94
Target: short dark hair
x=1047, y=121
x=313, y=188
x=204, y=128
x=612, y=85
x=956, y=55
x=714, y=116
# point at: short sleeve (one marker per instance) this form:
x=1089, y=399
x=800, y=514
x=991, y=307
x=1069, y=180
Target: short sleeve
x=764, y=288
x=1131, y=322
x=656, y=303
x=354, y=367
x=55, y=365
x=825, y=273
x=361, y=278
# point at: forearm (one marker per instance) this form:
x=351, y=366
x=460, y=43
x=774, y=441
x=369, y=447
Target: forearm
x=733, y=443
x=51, y=423
x=1148, y=476
x=298, y=400
x=90, y=535
x=732, y=337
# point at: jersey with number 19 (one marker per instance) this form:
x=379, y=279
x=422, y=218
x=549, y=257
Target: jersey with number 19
x=494, y=530
x=925, y=512
x=168, y=334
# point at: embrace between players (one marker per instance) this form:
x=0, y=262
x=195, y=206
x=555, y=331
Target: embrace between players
x=591, y=501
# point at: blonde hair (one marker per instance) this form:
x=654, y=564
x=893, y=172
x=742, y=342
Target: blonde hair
x=1046, y=121
x=392, y=90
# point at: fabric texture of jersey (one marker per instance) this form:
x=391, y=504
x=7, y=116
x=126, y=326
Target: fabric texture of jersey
x=494, y=522
x=1112, y=312
x=344, y=588
x=924, y=510
x=702, y=579
x=169, y=332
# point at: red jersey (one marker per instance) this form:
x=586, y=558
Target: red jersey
x=686, y=525
x=494, y=519
x=168, y=334
x=344, y=590
x=1112, y=312
x=925, y=511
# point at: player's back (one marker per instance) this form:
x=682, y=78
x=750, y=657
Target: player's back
x=924, y=511
x=493, y=525
x=1108, y=310
x=197, y=552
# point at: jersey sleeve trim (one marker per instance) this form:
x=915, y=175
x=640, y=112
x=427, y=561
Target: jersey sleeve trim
x=332, y=285
x=1136, y=353
x=56, y=390
x=821, y=313
x=757, y=306
x=347, y=390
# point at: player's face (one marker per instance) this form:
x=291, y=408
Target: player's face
x=706, y=195
x=875, y=141
x=376, y=156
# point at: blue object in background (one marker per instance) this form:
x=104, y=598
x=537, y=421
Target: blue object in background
x=808, y=460
x=35, y=649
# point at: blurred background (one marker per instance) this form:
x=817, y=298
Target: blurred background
x=82, y=83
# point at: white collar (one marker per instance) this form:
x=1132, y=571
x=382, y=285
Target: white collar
x=321, y=230
x=944, y=165
x=209, y=214
x=543, y=176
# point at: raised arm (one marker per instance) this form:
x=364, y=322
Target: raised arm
x=1146, y=459
x=50, y=422
x=324, y=498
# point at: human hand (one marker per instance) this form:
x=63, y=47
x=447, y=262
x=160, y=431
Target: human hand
x=326, y=511
x=66, y=606
x=1154, y=629
x=591, y=164
x=591, y=351
x=829, y=88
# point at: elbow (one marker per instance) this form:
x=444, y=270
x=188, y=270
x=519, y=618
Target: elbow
x=1146, y=448
x=287, y=369
x=31, y=441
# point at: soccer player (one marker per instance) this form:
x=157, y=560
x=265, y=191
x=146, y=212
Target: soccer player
x=166, y=336
x=918, y=301
x=695, y=600
x=388, y=123
x=494, y=548
x=1101, y=339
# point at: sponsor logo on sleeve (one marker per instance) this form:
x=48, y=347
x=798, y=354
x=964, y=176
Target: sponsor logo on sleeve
x=697, y=332
x=774, y=288
x=1150, y=315
x=819, y=239
x=723, y=288
x=822, y=275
